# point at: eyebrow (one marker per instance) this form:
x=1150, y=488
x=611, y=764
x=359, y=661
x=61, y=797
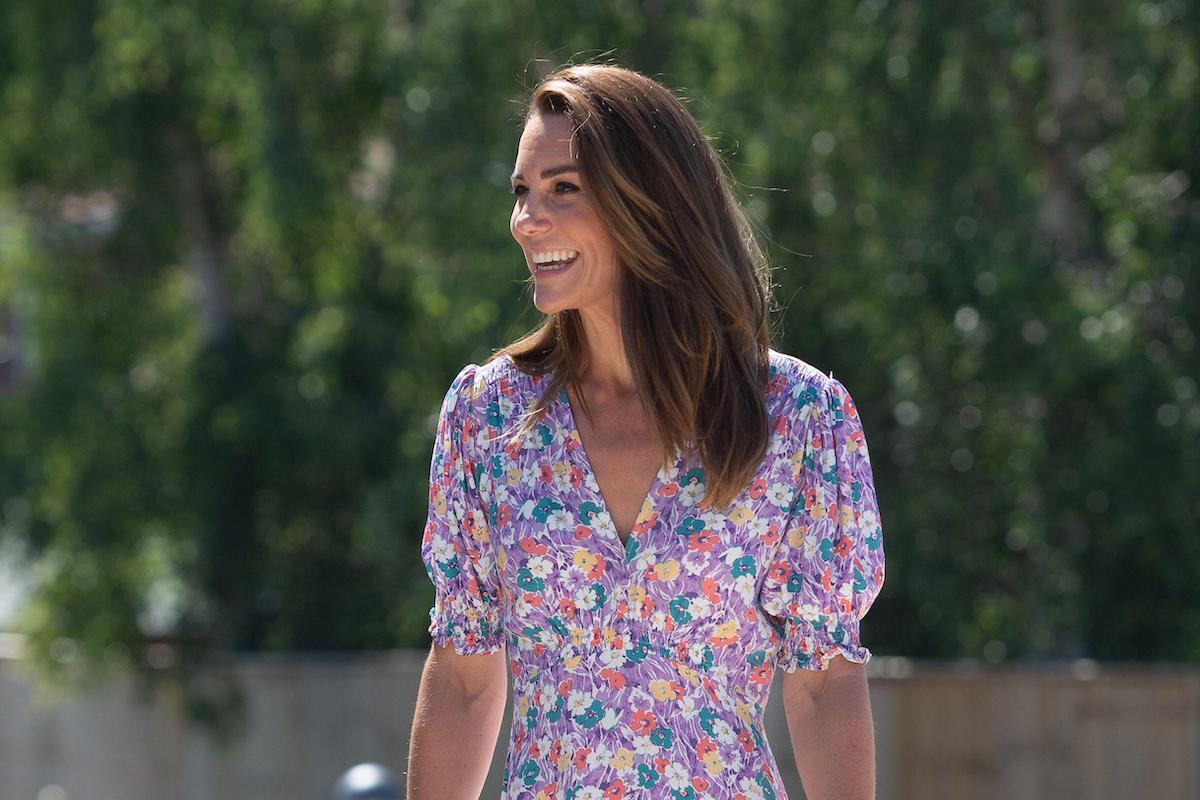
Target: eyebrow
x=550, y=172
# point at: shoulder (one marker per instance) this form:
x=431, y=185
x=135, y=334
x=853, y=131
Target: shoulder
x=491, y=390
x=792, y=378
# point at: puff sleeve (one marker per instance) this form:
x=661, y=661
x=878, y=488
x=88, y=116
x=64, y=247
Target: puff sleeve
x=829, y=565
x=456, y=547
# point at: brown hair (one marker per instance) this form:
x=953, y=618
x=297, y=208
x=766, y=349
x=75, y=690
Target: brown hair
x=694, y=287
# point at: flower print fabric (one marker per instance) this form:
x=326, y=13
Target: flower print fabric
x=642, y=670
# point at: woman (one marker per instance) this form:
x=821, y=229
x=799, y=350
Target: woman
x=646, y=564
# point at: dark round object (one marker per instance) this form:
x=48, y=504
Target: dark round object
x=366, y=781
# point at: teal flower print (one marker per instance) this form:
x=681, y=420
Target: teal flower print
x=708, y=719
x=679, y=609
x=694, y=475
x=494, y=417
x=591, y=715
x=744, y=566
x=795, y=582
x=689, y=525
x=640, y=650
x=544, y=509
x=663, y=736
x=527, y=581
x=555, y=714
x=529, y=773
x=588, y=512
x=449, y=568
x=647, y=776
x=827, y=547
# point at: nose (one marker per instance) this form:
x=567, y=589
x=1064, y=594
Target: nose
x=530, y=217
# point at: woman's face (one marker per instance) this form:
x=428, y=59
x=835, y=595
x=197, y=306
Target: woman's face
x=567, y=247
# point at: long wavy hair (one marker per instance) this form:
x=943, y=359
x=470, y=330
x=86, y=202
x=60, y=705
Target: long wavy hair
x=693, y=289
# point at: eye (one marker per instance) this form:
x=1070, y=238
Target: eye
x=565, y=188
x=519, y=190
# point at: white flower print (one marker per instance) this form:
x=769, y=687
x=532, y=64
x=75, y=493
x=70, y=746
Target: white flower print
x=723, y=732
x=578, y=701
x=758, y=526
x=780, y=494
x=442, y=549
x=751, y=789
x=599, y=756
x=522, y=607
x=540, y=567
x=560, y=520
x=589, y=792
x=699, y=608
x=586, y=598
x=613, y=657
x=691, y=494
x=677, y=775
x=603, y=525
x=744, y=585
x=644, y=747
x=713, y=520
x=610, y=719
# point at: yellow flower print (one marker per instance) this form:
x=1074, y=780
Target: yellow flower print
x=667, y=570
x=501, y=558
x=687, y=673
x=439, y=502
x=795, y=537
x=846, y=517
x=514, y=477
x=584, y=560
x=636, y=595
x=621, y=760
x=714, y=764
x=741, y=515
x=577, y=634
x=572, y=662
x=661, y=691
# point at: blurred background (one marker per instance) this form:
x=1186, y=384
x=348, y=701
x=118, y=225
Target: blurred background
x=245, y=246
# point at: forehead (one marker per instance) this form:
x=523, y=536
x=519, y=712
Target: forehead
x=546, y=137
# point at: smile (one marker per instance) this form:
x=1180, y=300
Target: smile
x=554, y=260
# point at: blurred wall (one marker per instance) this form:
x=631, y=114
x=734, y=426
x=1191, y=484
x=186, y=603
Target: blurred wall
x=943, y=730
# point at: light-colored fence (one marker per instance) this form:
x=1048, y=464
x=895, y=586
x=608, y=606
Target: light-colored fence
x=942, y=731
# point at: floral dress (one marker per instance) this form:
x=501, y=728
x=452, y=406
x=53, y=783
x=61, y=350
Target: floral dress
x=642, y=670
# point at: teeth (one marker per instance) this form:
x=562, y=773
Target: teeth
x=554, y=255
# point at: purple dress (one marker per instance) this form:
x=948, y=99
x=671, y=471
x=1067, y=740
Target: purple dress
x=642, y=671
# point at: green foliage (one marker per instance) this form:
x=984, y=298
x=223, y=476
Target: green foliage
x=251, y=243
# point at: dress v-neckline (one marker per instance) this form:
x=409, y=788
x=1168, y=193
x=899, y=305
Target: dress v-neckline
x=634, y=542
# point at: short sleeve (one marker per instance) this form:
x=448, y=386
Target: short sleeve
x=456, y=547
x=829, y=565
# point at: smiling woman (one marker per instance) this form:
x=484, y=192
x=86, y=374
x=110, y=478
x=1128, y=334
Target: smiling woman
x=649, y=564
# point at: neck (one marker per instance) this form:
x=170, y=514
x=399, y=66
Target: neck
x=610, y=373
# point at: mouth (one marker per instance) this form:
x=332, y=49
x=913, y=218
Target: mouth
x=553, y=262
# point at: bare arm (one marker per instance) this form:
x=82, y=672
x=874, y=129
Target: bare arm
x=460, y=706
x=829, y=717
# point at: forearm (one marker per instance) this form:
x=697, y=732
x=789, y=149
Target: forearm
x=453, y=740
x=834, y=741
